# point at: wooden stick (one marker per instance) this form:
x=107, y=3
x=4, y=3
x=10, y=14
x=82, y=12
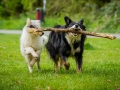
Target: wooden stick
x=79, y=31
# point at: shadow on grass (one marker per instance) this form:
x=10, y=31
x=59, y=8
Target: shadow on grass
x=102, y=71
x=61, y=71
x=88, y=46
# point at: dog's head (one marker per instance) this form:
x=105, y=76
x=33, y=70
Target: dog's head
x=75, y=25
x=34, y=24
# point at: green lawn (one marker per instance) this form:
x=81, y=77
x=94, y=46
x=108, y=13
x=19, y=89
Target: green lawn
x=101, y=68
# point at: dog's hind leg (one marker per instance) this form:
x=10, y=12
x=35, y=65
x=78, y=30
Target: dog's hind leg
x=38, y=64
x=56, y=64
x=28, y=60
x=66, y=63
x=34, y=59
x=61, y=63
x=38, y=60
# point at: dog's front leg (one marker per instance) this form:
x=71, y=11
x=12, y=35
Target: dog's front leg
x=78, y=63
x=30, y=50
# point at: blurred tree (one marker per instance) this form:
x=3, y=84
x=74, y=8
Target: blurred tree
x=74, y=6
x=10, y=7
x=58, y=7
x=16, y=7
x=30, y=5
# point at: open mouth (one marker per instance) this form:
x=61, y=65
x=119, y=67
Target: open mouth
x=75, y=34
x=77, y=29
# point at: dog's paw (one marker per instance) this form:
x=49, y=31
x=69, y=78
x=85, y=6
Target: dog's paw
x=78, y=70
x=30, y=69
x=35, y=55
x=67, y=66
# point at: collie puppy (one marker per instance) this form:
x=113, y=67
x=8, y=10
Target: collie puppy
x=62, y=45
x=31, y=44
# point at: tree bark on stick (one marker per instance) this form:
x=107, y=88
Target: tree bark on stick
x=78, y=31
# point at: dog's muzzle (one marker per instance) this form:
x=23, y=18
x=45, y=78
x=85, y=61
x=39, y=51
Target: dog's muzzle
x=77, y=28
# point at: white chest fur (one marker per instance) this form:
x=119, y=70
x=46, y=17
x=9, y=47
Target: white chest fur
x=29, y=40
x=71, y=39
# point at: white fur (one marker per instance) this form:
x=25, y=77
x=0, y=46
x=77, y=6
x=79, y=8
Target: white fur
x=31, y=45
x=71, y=39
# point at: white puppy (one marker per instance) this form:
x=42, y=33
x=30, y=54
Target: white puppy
x=31, y=44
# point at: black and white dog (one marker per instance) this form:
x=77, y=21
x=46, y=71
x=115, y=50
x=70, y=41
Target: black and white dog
x=62, y=45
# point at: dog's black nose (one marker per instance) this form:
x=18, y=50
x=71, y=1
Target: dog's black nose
x=42, y=33
x=76, y=26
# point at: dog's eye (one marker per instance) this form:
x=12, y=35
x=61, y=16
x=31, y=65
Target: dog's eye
x=31, y=26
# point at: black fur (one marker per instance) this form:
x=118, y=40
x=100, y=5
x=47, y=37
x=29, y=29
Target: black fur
x=58, y=46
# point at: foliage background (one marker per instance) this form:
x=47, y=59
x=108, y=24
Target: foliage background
x=101, y=69
x=99, y=15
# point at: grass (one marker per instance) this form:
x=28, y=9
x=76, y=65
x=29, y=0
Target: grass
x=101, y=68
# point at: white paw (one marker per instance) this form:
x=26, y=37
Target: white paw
x=30, y=69
x=35, y=55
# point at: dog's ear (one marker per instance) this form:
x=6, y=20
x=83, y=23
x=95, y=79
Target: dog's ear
x=67, y=20
x=28, y=22
x=81, y=21
x=81, y=24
